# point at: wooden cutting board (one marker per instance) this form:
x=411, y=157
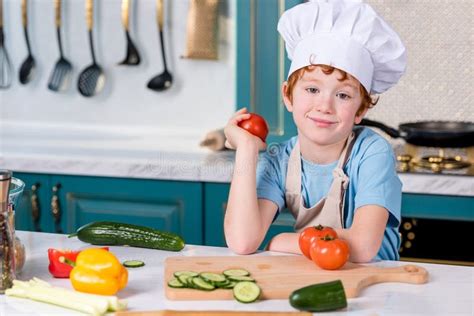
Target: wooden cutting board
x=279, y=276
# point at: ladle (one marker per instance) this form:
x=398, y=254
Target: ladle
x=92, y=79
x=164, y=80
x=60, y=77
x=133, y=57
x=28, y=67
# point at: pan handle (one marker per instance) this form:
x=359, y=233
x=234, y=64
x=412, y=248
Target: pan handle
x=392, y=132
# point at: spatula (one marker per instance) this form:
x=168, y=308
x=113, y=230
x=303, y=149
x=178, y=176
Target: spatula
x=133, y=57
x=5, y=65
x=60, y=77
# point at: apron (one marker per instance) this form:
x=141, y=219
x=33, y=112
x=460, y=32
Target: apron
x=329, y=211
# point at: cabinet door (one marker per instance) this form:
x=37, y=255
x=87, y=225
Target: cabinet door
x=215, y=196
x=262, y=65
x=32, y=211
x=459, y=208
x=166, y=205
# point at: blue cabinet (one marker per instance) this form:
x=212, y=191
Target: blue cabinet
x=68, y=202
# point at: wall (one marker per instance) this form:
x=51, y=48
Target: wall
x=438, y=84
x=202, y=95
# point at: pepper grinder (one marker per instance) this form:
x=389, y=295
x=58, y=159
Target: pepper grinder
x=7, y=256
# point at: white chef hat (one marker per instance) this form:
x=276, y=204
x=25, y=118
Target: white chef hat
x=348, y=35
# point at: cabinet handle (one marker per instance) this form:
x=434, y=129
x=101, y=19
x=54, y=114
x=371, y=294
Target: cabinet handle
x=35, y=206
x=56, y=209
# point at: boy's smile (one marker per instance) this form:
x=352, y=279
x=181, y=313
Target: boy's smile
x=324, y=108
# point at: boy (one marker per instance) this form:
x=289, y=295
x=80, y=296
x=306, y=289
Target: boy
x=332, y=173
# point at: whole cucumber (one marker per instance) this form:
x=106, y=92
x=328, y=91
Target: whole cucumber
x=121, y=234
x=319, y=297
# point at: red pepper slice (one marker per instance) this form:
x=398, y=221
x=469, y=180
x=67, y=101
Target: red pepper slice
x=57, y=267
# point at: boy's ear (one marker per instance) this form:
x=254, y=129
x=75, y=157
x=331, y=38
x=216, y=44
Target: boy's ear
x=284, y=94
x=358, y=118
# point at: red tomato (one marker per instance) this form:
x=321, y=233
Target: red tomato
x=329, y=253
x=310, y=233
x=255, y=125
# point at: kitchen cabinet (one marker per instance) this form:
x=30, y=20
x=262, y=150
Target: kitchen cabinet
x=68, y=202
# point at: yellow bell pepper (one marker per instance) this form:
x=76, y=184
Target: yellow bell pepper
x=98, y=271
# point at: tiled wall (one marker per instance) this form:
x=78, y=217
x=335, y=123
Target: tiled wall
x=439, y=82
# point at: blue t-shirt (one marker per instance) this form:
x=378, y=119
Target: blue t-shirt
x=373, y=179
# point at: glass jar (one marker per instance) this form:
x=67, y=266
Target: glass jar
x=7, y=250
x=16, y=190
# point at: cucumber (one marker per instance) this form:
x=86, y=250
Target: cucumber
x=241, y=278
x=174, y=282
x=133, y=263
x=190, y=273
x=319, y=297
x=202, y=284
x=120, y=234
x=236, y=272
x=246, y=292
x=213, y=278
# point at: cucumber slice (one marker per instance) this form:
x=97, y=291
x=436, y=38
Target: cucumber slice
x=213, y=278
x=236, y=272
x=133, y=264
x=241, y=278
x=183, y=278
x=174, y=282
x=230, y=285
x=190, y=273
x=201, y=284
x=246, y=292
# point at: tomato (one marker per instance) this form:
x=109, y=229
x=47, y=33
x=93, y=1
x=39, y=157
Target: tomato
x=310, y=233
x=329, y=253
x=255, y=125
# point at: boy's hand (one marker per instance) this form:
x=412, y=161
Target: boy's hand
x=237, y=136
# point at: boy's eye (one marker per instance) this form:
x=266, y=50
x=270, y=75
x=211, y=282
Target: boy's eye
x=343, y=96
x=312, y=90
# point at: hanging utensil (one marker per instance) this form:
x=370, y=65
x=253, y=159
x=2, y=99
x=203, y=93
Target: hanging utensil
x=60, y=77
x=28, y=67
x=162, y=81
x=133, y=57
x=5, y=65
x=92, y=79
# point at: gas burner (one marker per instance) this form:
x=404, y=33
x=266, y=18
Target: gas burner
x=439, y=163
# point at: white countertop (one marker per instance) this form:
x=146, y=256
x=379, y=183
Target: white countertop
x=450, y=290
x=151, y=154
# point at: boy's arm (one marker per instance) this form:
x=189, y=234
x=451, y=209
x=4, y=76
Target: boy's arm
x=364, y=243
x=247, y=218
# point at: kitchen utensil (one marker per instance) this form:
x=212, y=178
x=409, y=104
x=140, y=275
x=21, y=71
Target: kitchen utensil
x=92, y=79
x=28, y=67
x=430, y=133
x=210, y=313
x=133, y=57
x=279, y=276
x=60, y=77
x=164, y=80
x=5, y=64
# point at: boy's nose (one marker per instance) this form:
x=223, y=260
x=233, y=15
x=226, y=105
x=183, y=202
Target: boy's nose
x=325, y=104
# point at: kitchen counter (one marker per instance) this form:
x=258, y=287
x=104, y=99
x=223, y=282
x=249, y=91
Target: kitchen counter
x=151, y=154
x=449, y=292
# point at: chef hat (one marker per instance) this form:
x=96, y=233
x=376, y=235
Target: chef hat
x=348, y=35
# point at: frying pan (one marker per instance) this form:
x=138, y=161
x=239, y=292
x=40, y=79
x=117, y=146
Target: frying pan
x=430, y=133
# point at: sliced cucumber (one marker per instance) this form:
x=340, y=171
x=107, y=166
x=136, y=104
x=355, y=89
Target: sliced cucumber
x=230, y=285
x=191, y=273
x=213, y=278
x=183, y=278
x=133, y=264
x=201, y=284
x=174, y=282
x=236, y=272
x=241, y=278
x=246, y=292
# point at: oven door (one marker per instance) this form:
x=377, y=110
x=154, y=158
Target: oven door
x=436, y=241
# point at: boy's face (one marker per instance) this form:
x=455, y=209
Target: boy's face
x=324, y=108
